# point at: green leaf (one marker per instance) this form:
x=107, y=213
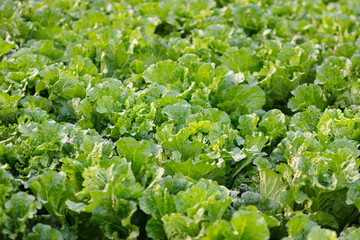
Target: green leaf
x=6, y=184
x=157, y=202
x=273, y=124
x=278, y=82
x=175, y=184
x=206, y=195
x=334, y=124
x=242, y=60
x=350, y=233
x=251, y=17
x=110, y=208
x=47, y=49
x=219, y=230
x=241, y=99
x=155, y=229
x=306, y=121
x=114, y=218
x=52, y=190
x=248, y=124
x=178, y=226
x=165, y=72
x=83, y=66
x=317, y=233
x=199, y=5
x=138, y=153
x=305, y=96
x=180, y=143
x=188, y=168
x=249, y=224
x=332, y=74
x=19, y=208
x=5, y=47
x=255, y=142
x=271, y=185
x=325, y=220
x=68, y=87
x=44, y=232
x=178, y=112
x=8, y=107
x=353, y=195
x=300, y=226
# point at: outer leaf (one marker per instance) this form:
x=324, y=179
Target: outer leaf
x=155, y=229
x=220, y=230
x=333, y=72
x=180, y=143
x=249, y=224
x=273, y=123
x=241, y=60
x=248, y=124
x=300, y=226
x=157, y=202
x=305, y=96
x=350, y=233
x=137, y=153
x=178, y=226
x=189, y=168
x=83, y=66
x=271, y=185
x=306, y=121
x=5, y=47
x=205, y=195
x=19, y=208
x=318, y=234
x=243, y=99
x=178, y=112
x=44, y=232
x=52, y=190
x=353, y=195
x=165, y=72
x=250, y=17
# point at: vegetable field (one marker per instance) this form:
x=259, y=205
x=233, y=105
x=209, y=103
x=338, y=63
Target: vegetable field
x=179, y=119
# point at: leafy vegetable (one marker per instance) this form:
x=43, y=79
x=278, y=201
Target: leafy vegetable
x=169, y=119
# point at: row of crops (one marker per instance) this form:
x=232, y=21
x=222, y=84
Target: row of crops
x=179, y=119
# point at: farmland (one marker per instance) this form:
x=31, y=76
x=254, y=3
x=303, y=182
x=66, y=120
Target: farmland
x=180, y=119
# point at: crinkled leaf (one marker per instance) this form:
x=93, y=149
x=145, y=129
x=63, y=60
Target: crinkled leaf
x=52, y=190
x=249, y=224
x=44, y=232
x=305, y=96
